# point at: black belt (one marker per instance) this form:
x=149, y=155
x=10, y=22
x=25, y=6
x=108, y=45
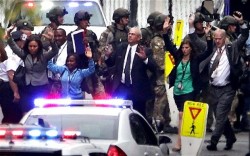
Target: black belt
x=220, y=87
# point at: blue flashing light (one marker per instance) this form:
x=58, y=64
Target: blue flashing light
x=35, y=133
x=52, y=133
x=88, y=4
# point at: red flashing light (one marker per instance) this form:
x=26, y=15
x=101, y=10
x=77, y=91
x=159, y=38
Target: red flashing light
x=102, y=97
x=30, y=4
x=71, y=134
x=17, y=133
x=115, y=151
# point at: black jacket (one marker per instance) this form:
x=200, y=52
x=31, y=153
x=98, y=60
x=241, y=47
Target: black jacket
x=140, y=80
x=194, y=62
x=233, y=54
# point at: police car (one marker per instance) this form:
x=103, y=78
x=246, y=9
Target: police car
x=111, y=124
x=35, y=11
x=32, y=140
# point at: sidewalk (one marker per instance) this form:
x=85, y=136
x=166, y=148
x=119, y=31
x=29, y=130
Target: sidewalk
x=240, y=148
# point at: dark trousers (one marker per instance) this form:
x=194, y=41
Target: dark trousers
x=11, y=111
x=126, y=93
x=30, y=93
x=221, y=100
x=203, y=98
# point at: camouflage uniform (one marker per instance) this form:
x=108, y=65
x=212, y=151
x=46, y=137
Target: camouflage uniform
x=147, y=35
x=112, y=35
x=162, y=111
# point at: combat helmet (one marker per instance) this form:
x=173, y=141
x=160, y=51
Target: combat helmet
x=53, y=14
x=24, y=24
x=120, y=13
x=159, y=21
x=151, y=17
x=81, y=15
x=226, y=21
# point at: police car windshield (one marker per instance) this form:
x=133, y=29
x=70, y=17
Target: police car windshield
x=35, y=11
x=92, y=126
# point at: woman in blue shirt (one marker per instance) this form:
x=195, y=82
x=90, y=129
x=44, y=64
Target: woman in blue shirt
x=72, y=75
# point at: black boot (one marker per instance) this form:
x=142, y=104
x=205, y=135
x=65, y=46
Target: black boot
x=229, y=144
x=212, y=147
x=213, y=144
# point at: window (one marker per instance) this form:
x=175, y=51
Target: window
x=141, y=131
x=92, y=126
x=35, y=11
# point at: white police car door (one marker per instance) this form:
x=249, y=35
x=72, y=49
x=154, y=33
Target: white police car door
x=144, y=136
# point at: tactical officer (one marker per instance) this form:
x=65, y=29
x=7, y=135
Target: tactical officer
x=147, y=35
x=229, y=24
x=93, y=83
x=161, y=104
x=24, y=26
x=115, y=34
x=56, y=17
x=148, y=32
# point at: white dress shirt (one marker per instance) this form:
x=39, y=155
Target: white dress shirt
x=221, y=73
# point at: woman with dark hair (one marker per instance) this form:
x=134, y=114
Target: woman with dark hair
x=35, y=61
x=185, y=75
x=72, y=74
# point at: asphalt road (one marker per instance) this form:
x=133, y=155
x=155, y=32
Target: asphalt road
x=240, y=148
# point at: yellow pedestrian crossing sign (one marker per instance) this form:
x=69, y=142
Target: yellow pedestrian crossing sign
x=178, y=32
x=194, y=119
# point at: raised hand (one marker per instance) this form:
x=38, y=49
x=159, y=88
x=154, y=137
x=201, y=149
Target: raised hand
x=8, y=31
x=207, y=28
x=166, y=25
x=50, y=34
x=88, y=52
x=141, y=52
x=238, y=16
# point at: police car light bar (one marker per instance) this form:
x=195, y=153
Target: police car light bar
x=70, y=102
x=17, y=131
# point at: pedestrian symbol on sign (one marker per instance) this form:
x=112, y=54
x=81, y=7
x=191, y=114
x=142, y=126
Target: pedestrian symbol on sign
x=192, y=128
x=194, y=112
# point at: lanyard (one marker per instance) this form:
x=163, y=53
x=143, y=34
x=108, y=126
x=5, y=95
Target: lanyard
x=184, y=68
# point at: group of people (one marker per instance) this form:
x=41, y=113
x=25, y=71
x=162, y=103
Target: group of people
x=127, y=63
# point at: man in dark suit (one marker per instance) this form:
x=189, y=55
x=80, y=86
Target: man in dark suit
x=222, y=68
x=130, y=62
